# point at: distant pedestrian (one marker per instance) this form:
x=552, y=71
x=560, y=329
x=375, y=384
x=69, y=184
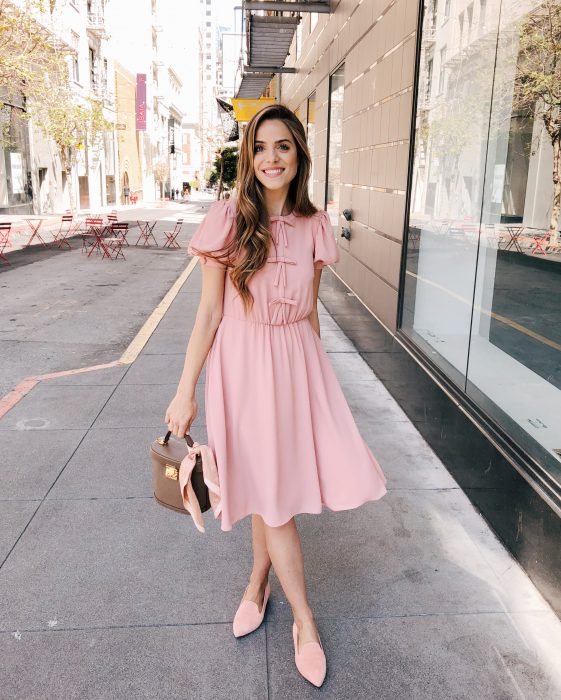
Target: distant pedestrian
x=283, y=436
x=126, y=193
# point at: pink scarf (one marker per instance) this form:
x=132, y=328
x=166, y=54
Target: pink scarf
x=210, y=477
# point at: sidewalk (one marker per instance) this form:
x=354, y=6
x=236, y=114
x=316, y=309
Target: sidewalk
x=104, y=594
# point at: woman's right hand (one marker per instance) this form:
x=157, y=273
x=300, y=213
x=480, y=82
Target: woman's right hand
x=180, y=415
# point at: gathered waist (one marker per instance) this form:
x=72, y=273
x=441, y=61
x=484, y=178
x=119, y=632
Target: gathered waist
x=264, y=323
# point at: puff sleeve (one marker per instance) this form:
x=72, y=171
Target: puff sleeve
x=326, y=250
x=213, y=233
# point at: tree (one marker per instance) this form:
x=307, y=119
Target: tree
x=161, y=173
x=224, y=168
x=28, y=51
x=538, y=85
x=70, y=124
x=33, y=63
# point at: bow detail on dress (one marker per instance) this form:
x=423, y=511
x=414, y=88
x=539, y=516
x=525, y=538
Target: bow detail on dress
x=284, y=301
x=282, y=261
x=281, y=224
x=210, y=477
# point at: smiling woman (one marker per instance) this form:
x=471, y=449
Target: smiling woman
x=284, y=438
x=275, y=161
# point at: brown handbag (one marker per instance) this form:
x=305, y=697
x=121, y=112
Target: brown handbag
x=167, y=456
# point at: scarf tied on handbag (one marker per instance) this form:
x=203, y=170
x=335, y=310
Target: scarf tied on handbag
x=210, y=477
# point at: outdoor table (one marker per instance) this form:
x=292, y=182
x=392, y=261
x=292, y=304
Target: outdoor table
x=541, y=238
x=34, y=224
x=95, y=229
x=514, y=231
x=146, y=230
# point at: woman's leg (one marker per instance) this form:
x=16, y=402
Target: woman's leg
x=261, y=563
x=285, y=551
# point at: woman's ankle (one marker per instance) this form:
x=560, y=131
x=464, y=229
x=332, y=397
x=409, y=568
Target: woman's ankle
x=303, y=617
x=259, y=577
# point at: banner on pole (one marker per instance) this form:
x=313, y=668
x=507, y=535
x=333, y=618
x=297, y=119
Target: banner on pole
x=141, y=101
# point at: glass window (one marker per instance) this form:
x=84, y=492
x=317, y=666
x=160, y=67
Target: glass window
x=333, y=181
x=442, y=74
x=75, y=61
x=311, y=136
x=313, y=20
x=483, y=265
x=298, y=39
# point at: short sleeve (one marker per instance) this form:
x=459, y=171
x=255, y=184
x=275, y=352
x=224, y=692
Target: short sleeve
x=326, y=250
x=213, y=232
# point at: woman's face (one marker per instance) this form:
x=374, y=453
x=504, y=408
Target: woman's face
x=275, y=159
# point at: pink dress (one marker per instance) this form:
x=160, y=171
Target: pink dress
x=284, y=438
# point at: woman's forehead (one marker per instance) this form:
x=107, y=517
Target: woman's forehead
x=272, y=130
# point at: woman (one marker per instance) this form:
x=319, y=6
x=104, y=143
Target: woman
x=283, y=435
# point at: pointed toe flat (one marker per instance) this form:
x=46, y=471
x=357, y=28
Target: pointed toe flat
x=310, y=660
x=248, y=618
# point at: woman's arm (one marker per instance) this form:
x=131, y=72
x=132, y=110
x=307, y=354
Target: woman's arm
x=183, y=408
x=314, y=318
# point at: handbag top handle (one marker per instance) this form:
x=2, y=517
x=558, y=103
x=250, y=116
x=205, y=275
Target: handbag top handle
x=188, y=439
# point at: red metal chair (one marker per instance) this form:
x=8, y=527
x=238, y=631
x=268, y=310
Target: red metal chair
x=172, y=235
x=146, y=231
x=94, y=230
x=120, y=230
x=5, y=230
x=66, y=228
x=114, y=248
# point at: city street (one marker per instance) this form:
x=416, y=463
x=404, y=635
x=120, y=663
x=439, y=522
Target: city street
x=63, y=310
x=106, y=595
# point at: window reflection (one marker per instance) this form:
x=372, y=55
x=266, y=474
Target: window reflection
x=311, y=136
x=336, y=91
x=484, y=252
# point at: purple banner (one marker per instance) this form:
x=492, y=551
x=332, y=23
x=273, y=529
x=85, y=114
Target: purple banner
x=141, y=101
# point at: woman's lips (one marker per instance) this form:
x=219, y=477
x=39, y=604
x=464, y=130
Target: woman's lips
x=273, y=172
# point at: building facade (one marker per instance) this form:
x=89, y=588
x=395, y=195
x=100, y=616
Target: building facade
x=32, y=177
x=449, y=175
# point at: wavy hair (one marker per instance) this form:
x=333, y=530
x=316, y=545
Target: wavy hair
x=250, y=245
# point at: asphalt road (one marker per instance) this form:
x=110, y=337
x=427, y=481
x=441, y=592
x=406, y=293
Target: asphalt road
x=62, y=310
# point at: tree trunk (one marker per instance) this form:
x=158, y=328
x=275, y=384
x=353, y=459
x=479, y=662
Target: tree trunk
x=221, y=181
x=552, y=126
x=556, y=205
x=68, y=170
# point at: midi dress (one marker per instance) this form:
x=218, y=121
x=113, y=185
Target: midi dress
x=282, y=433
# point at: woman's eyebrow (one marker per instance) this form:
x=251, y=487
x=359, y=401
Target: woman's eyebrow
x=279, y=141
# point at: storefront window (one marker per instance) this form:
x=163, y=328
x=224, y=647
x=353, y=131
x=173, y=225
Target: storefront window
x=16, y=191
x=311, y=137
x=483, y=266
x=336, y=92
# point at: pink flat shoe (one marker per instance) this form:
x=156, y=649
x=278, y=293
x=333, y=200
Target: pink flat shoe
x=310, y=660
x=248, y=618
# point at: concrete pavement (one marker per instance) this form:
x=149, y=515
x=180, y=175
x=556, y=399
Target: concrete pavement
x=104, y=594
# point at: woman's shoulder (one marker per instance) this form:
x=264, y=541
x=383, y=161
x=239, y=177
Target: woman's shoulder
x=223, y=208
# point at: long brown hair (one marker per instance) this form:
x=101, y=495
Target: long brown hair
x=253, y=230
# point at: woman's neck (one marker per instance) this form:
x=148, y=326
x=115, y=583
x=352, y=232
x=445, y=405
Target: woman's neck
x=277, y=202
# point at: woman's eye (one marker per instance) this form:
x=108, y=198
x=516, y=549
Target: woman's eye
x=285, y=146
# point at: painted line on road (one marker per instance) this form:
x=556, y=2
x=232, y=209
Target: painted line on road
x=143, y=335
x=13, y=397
